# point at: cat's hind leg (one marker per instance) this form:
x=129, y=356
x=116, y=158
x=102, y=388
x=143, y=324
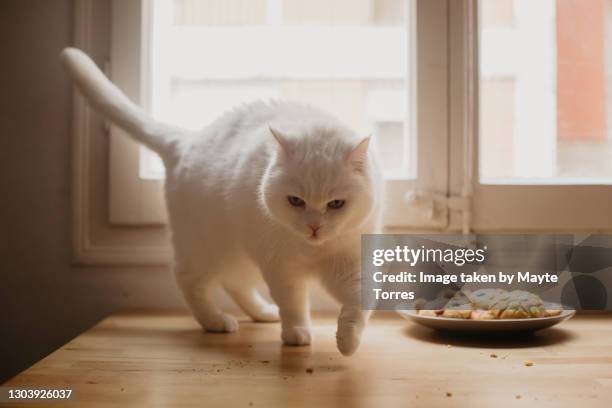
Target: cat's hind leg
x=251, y=302
x=197, y=289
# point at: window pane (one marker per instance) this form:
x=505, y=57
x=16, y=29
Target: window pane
x=348, y=57
x=545, y=86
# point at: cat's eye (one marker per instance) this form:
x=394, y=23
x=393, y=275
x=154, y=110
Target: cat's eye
x=296, y=201
x=335, y=204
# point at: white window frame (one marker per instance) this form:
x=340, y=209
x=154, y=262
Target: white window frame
x=446, y=195
x=136, y=201
x=96, y=241
x=132, y=200
x=547, y=205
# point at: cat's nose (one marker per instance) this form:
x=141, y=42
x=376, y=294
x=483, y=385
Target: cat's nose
x=314, y=228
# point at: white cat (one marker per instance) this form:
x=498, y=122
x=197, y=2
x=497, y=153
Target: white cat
x=275, y=189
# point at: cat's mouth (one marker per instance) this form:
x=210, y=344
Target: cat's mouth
x=315, y=239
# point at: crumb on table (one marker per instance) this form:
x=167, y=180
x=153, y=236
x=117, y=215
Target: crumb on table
x=528, y=363
x=493, y=355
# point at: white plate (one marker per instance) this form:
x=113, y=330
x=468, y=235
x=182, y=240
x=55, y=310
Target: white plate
x=497, y=325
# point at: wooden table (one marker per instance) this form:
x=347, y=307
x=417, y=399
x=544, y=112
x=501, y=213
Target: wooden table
x=163, y=359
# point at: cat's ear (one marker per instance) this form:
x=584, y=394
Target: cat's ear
x=280, y=139
x=359, y=155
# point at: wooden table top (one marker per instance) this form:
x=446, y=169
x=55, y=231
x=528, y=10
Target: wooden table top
x=163, y=359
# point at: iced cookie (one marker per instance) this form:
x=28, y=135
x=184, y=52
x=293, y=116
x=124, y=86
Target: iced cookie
x=485, y=298
x=518, y=304
x=552, y=309
x=429, y=312
x=482, y=315
x=552, y=312
x=431, y=308
x=458, y=307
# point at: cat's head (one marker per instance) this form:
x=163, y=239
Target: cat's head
x=319, y=184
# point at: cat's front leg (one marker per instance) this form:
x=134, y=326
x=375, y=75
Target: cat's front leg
x=345, y=286
x=291, y=295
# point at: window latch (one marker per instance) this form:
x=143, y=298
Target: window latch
x=435, y=205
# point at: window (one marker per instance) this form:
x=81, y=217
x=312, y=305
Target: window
x=545, y=110
x=545, y=71
x=209, y=56
x=197, y=59
x=490, y=115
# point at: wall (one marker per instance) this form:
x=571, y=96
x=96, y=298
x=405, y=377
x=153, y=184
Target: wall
x=44, y=301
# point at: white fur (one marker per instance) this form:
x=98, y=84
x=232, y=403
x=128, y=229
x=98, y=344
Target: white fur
x=226, y=190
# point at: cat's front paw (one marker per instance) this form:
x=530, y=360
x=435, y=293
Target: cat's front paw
x=347, y=340
x=222, y=323
x=296, y=336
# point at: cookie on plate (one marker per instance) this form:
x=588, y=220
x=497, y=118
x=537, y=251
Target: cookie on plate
x=432, y=308
x=518, y=304
x=480, y=314
x=459, y=307
x=485, y=298
x=552, y=309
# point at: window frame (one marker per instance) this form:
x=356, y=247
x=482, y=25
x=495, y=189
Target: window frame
x=134, y=201
x=545, y=206
x=95, y=242
x=447, y=197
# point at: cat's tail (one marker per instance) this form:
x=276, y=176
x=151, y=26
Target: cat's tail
x=112, y=103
